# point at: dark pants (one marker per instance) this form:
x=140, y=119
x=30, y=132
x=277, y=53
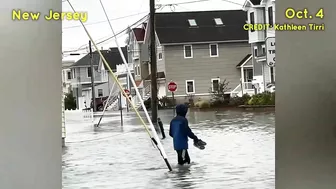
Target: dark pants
x=183, y=157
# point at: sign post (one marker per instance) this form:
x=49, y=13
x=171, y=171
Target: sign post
x=120, y=104
x=270, y=51
x=127, y=93
x=172, y=87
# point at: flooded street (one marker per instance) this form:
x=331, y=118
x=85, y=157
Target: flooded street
x=239, y=154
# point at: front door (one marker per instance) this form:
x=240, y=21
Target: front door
x=248, y=75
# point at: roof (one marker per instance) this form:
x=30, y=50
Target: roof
x=112, y=57
x=159, y=75
x=139, y=33
x=173, y=27
x=244, y=60
x=255, y=2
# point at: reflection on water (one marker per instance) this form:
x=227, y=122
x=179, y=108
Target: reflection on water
x=239, y=155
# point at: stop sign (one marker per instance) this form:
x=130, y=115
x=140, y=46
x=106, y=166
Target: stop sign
x=127, y=92
x=172, y=86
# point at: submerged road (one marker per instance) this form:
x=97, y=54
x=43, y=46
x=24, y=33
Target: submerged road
x=240, y=154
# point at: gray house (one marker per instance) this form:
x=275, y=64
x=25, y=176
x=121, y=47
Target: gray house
x=197, y=50
x=81, y=75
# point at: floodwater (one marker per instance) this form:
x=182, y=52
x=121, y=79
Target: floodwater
x=240, y=154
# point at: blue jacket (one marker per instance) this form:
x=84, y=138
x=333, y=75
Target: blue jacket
x=179, y=128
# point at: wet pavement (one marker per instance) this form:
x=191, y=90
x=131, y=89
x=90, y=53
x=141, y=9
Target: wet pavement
x=239, y=154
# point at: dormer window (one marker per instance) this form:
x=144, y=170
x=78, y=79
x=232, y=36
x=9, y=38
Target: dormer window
x=192, y=22
x=218, y=21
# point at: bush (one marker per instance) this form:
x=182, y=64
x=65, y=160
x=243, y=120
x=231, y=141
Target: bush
x=237, y=101
x=202, y=104
x=265, y=98
x=166, y=101
x=70, y=101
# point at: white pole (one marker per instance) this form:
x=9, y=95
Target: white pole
x=136, y=89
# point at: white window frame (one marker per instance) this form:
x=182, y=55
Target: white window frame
x=263, y=47
x=212, y=80
x=217, y=53
x=67, y=74
x=139, y=71
x=218, y=21
x=192, y=22
x=87, y=72
x=136, y=70
x=160, y=58
x=186, y=83
x=102, y=92
x=254, y=54
x=191, y=50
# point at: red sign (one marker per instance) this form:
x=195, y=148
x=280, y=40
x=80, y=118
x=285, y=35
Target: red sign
x=172, y=86
x=127, y=92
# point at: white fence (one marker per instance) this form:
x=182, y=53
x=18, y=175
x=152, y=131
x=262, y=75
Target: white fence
x=79, y=116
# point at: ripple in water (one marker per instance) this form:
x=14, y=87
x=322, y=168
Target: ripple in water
x=239, y=155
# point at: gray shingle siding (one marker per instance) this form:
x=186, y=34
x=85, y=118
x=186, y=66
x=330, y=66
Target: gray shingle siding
x=202, y=68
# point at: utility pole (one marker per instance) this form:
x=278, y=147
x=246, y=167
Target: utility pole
x=92, y=80
x=154, y=91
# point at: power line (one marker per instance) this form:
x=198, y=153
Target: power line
x=104, y=21
x=136, y=24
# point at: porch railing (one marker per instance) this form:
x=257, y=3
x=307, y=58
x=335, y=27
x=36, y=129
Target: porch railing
x=247, y=86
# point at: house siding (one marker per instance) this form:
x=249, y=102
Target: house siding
x=81, y=75
x=202, y=68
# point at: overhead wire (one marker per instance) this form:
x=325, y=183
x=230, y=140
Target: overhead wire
x=119, y=84
x=155, y=139
x=85, y=46
x=104, y=21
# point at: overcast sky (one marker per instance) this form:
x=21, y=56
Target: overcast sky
x=123, y=13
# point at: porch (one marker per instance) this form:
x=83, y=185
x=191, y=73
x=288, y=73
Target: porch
x=246, y=78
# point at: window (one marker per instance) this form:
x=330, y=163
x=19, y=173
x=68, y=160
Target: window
x=135, y=70
x=252, y=20
x=188, y=51
x=190, y=86
x=218, y=21
x=215, y=84
x=255, y=51
x=263, y=49
x=100, y=92
x=270, y=16
x=68, y=75
x=89, y=73
x=139, y=72
x=160, y=56
x=192, y=22
x=213, y=50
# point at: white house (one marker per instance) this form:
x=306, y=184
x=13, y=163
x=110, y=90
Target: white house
x=81, y=76
x=66, y=76
x=261, y=12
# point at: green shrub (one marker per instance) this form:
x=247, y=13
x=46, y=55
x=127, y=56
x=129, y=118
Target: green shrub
x=166, y=101
x=265, y=98
x=70, y=102
x=237, y=101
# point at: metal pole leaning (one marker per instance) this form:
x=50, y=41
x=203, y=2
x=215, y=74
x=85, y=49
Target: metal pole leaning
x=155, y=139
